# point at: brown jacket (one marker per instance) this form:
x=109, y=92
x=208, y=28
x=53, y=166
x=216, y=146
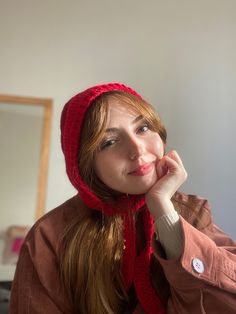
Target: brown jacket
x=202, y=280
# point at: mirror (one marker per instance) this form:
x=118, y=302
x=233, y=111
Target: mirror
x=24, y=140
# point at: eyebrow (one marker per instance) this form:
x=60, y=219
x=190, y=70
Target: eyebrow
x=110, y=130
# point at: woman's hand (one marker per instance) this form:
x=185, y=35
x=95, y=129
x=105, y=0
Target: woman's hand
x=171, y=175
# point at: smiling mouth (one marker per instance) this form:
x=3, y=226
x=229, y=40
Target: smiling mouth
x=143, y=169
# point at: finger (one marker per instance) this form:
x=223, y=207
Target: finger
x=165, y=165
x=176, y=166
x=174, y=155
x=176, y=174
x=161, y=168
x=172, y=164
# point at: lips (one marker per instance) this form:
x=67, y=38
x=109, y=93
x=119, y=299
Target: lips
x=143, y=169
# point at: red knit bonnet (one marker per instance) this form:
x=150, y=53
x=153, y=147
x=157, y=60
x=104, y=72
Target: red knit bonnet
x=136, y=269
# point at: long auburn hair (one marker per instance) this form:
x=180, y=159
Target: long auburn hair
x=93, y=243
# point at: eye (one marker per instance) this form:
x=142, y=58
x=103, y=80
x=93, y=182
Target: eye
x=108, y=143
x=143, y=128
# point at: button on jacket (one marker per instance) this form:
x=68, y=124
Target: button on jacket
x=201, y=280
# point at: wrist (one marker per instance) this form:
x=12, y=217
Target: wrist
x=159, y=207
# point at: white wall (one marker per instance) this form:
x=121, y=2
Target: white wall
x=179, y=54
x=20, y=131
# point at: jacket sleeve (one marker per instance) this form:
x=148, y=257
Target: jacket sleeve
x=216, y=256
x=206, y=267
x=36, y=288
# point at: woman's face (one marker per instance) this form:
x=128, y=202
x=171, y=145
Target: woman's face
x=129, y=151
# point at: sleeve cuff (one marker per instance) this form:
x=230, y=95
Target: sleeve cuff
x=169, y=233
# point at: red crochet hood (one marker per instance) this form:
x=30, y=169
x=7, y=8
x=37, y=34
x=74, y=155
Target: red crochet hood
x=135, y=269
x=71, y=123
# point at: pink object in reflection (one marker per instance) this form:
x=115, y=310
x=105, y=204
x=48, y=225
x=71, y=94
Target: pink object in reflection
x=16, y=245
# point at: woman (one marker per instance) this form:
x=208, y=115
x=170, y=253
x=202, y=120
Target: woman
x=129, y=242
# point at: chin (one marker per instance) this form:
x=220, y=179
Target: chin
x=140, y=190
x=144, y=187
x=137, y=187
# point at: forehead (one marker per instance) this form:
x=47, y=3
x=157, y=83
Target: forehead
x=117, y=109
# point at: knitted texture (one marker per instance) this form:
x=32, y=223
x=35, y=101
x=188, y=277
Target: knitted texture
x=135, y=269
x=71, y=121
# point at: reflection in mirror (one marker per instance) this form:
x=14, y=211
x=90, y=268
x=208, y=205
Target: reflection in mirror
x=24, y=140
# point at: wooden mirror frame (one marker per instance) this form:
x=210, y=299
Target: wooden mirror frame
x=44, y=149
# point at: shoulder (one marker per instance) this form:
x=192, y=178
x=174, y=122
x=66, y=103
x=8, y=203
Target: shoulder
x=48, y=230
x=38, y=272
x=193, y=208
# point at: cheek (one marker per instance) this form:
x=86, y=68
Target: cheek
x=99, y=167
x=156, y=146
x=106, y=167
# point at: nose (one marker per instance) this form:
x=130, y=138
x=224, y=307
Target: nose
x=135, y=148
